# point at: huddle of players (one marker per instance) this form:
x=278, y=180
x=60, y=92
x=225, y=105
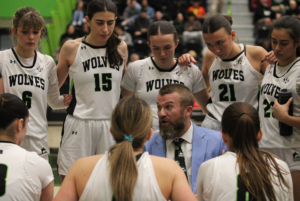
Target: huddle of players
x=96, y=65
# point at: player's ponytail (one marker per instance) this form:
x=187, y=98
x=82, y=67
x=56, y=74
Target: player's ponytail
x=292, y=26
x=131, y=123
x=240, y=121
x=11, y=108
x=112, y=53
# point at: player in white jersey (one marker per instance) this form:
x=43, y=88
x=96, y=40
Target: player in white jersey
x=245, y=172
x=96, y=64
x=145, y=77
x=231, y=71
x=125, y=172
x=285, y=74
x=31, y=76
x=24, y=175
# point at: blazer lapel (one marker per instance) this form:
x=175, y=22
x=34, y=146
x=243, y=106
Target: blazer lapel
x=198, y=153
x=159, y=147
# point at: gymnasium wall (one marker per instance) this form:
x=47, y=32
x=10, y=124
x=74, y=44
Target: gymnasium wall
x=9, y=7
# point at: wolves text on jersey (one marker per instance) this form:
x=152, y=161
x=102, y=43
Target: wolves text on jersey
x=24, y=79
x=98, y=62
x=227, y=74
x=270, y=89
x=159, y=83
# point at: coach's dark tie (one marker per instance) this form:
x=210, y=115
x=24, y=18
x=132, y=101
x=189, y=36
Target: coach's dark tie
x=179, y=156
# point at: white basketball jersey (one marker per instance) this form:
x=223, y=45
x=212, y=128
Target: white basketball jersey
x=146, y=188
x=30, y=83
x=95, y=83
x=145, y=78
x=219, y=180
x=16, y=167
x=271, y=85
x=233, y=80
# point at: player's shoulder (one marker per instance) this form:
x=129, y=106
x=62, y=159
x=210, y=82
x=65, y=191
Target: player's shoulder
x=71, y=45
x=166, y=165
x=140, y=63
x=255, y=51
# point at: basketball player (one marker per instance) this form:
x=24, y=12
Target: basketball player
x=245, y=172
x=285, y=74
x=125, y=172
x=31, y=76
x=96, y=64
x=232, y=71
x=24, y=175
x=145, y=77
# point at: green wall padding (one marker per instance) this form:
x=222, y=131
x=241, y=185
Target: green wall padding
x=9, y=7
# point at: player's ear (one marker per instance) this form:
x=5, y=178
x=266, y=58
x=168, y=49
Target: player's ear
x=259, y=135
x=225, y=137
x=149, y=135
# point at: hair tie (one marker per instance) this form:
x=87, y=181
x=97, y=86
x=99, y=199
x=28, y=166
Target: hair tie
x=243, y=114
x=128, y=138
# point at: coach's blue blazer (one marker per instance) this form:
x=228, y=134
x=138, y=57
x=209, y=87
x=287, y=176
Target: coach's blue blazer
x=206, y=144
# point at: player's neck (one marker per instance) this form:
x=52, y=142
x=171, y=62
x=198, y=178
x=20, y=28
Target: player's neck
x=236, y=49
x=92, y=41
x=24, y=53
x=5, y=137
x=165, y=65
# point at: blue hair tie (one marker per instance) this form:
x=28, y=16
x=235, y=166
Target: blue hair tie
x=128, y=138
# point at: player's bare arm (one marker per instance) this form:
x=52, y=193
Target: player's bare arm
x=122, y=48
x=66, y=59
x=207, y=62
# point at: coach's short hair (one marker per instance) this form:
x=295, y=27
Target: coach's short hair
x=186, y=96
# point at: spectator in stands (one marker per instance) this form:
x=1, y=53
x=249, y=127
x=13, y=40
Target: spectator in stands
x=198, y=10
x=158, y=16
x=293, y=9
x=57, y=50
x=166, y=7
x=69, y=34
x=78, y=14
x=133, y=57
x=192, y=30
x=131, y=12
x=179, y=24
x=141, y=25
x=192, y=24
x=179, y=7
x=216, y=6
x=263, y=20
x=278, y=6
x=254, y=3
x=124, y=35
x=149, y=9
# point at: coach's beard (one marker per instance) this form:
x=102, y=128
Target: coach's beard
x=173, y=129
